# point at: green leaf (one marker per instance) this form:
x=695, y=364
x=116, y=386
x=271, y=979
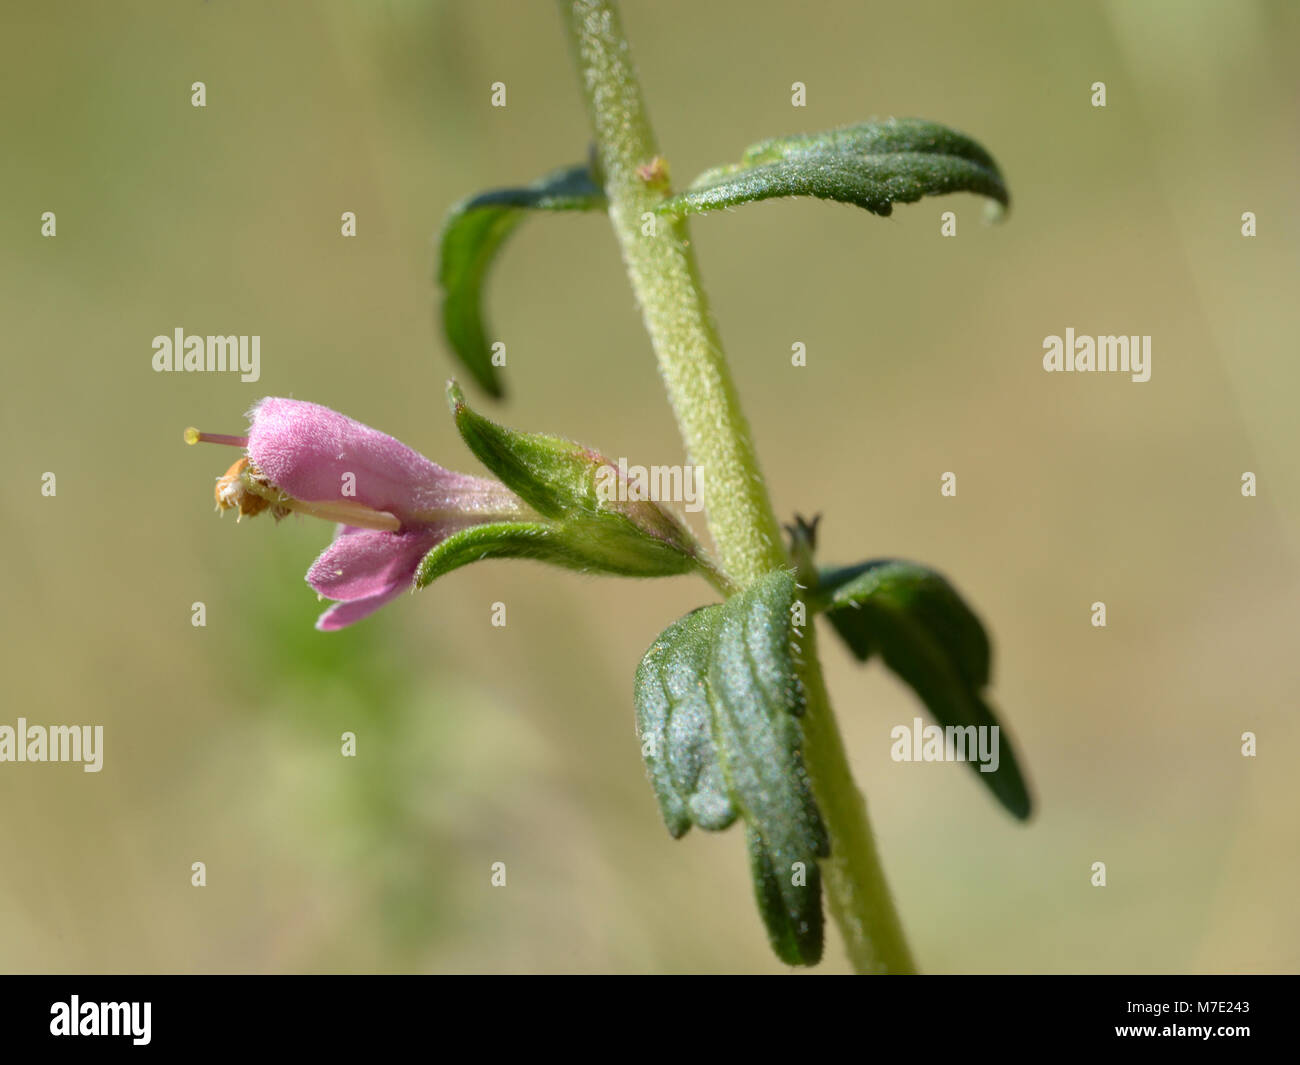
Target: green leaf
x=675, y=723
x=718, y=704
x=568, y=544
x=872, y=165
x=552, y=475
x=583, y=525
x=513, y=539
x=926, y=634
x=472, y=233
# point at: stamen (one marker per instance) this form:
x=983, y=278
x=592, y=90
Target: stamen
x=193, y=436
x=232, y=491
x=342, y=512
x=346, y=513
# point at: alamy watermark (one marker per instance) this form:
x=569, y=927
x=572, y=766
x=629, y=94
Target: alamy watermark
x=954, y=743
x=55, y=743
x=659, y=484
x=75, y=1017
x=1109, y=354
x=213, y=354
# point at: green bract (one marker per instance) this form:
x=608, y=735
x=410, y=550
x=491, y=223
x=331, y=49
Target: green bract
x=926, y=634
x=718, y=703
x=472, y=232
x=577, y=528
x=873, y=165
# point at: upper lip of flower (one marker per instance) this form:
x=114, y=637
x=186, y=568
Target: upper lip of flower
x=316, y=455
x=305, y=457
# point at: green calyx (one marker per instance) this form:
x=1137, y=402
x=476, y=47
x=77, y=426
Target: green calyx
x=586, y=520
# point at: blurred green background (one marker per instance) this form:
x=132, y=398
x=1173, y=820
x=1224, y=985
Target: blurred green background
x=479, y=744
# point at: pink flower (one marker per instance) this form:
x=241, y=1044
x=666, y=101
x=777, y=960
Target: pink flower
x=392, y=504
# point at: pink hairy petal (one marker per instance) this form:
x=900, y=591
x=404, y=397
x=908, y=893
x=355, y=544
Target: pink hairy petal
x=341, y=615
x=362, y=563
x=306, y=450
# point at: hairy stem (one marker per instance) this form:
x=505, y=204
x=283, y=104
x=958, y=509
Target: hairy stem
x=855, y=882
x=661, y=265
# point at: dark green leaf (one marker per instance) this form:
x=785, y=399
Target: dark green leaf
x=872, y=165
x=718, y=701
x=796, y=936
x=675, y=723
x=472, y=232
x=926, y=634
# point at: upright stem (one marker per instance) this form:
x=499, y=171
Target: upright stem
x=855, y=882
x=661, y=265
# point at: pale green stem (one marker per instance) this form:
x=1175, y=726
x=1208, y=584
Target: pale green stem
x=855, y=882
x=661, y=265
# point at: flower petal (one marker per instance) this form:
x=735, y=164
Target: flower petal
x=308, y=451
x=367, y=568
x=341, y=615
x=365, y=562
